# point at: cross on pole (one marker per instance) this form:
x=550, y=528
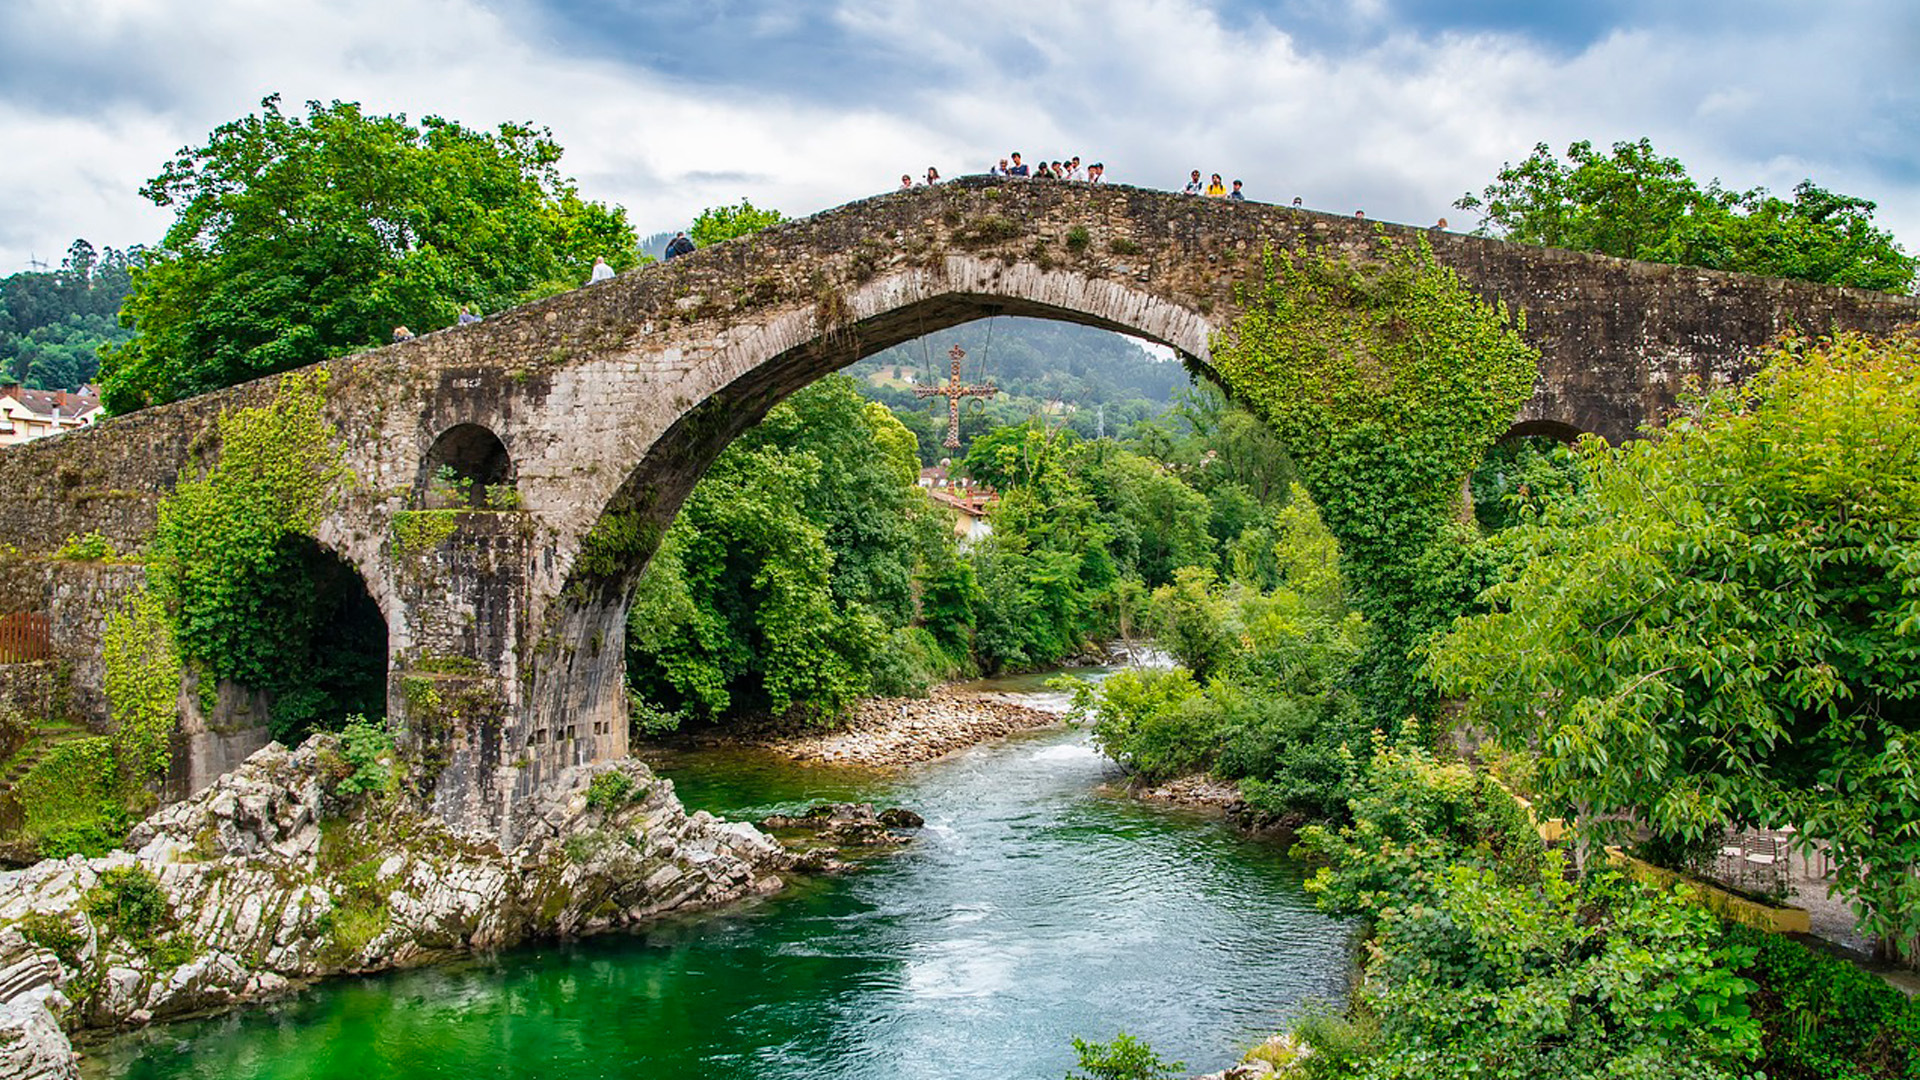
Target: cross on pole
x=953, y=391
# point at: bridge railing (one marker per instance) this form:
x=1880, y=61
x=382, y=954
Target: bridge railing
x=25, y=638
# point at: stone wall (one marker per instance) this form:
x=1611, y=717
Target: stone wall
x=77, y=597
x=208, y=744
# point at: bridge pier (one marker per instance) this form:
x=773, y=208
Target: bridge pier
x=492, y=688
x=457, y=617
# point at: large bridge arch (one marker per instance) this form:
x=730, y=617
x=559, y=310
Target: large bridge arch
x=611, y=399
x=583, y=689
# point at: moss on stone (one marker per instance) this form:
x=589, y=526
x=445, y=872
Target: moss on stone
x=416, y=532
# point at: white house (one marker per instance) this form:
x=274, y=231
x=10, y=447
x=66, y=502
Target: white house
x=32, y=414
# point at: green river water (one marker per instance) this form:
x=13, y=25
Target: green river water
x=1034, y=907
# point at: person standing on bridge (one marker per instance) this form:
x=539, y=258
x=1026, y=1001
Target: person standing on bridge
x=601, y=271
x=1216, y=189
x=1236, y=195
x=1017, y=169
x=906, y=182
x=1096, y=173
x=680, y=245
x=933, y=176
x=1194, y=186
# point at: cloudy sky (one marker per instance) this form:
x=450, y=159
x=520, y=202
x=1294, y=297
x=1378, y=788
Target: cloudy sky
x=1395, y=106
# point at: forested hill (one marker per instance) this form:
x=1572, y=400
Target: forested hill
x=1092, y=380
x=54, y=322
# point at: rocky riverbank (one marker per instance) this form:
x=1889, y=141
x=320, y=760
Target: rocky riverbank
x=276, y=876
x=887, y=732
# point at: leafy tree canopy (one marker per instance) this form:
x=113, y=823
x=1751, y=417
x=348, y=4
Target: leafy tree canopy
x=1723, y=625
x=296, y=239
x=717, y=223
x=1635, y=204
x=789, y=564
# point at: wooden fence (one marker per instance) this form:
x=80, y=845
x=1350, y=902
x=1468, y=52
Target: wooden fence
x=25, y=638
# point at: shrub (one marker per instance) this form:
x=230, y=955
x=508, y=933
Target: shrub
x=54, y=933
x=611, y=790
x=1487, y=962
x=1125, y=1058
x=1078, y=238
x=367, y=747
x=76, y=786
x=1133, y=720
x=1824, y=1018
x=92, y=547
x=129, y=902
x=1339, y=1046
x=89, y=838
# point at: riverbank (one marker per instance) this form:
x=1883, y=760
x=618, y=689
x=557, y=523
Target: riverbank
x=281, y=874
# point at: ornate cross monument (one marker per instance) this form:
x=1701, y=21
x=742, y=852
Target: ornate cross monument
x=953, y=391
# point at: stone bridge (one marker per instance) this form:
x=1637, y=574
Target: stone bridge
x=603, y=406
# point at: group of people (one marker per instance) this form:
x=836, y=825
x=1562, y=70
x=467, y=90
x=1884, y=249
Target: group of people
x=1214, y=189
x=1012, y=165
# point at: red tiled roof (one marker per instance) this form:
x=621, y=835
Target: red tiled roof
x=45, y=402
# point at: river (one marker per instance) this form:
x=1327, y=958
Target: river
x=1033, y=908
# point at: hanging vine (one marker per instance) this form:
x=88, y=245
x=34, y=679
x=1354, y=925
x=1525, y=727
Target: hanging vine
x=1385, y=378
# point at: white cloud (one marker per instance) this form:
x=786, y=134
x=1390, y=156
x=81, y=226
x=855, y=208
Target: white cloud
x=1400, y=126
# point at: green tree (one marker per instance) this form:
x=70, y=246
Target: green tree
x=1635, y=204
x=862, y=493
x=296, y=239
x=1724, y=628
x=718, y=223
x=791, y=562
x=736, y=610
x=1193, y=622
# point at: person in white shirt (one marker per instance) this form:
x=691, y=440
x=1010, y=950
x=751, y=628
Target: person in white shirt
x=601, y=271
x=1194, y=186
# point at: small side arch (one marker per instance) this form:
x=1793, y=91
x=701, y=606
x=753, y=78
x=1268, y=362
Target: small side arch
x=1559, y=431
x=460, y=466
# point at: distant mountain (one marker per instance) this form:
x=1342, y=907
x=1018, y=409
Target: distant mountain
x=1037, y=358
x=1095, y=381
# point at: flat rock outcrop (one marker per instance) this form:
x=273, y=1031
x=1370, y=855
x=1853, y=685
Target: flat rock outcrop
x=272, y=877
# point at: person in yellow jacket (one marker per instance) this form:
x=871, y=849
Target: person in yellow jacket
x=1216, y=189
